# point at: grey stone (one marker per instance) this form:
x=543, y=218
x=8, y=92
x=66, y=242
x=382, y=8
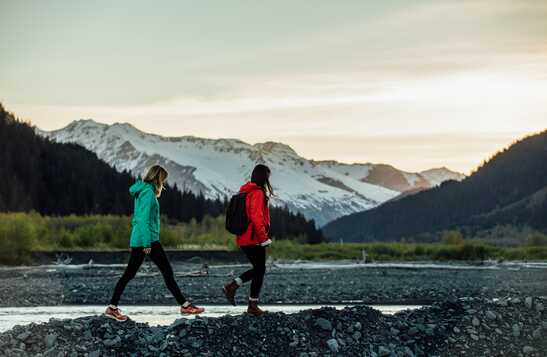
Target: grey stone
x=516, y=330
x=94, y=354
x=383, y=351
x=413, y=331
x=358, y=326
x=16, y=352
x=333, y=345
x=537, y=333
x=456, y=330
x=50, y=340
x=491, y=315
x=528, y=302
x=23, y=336
x=408, y=352
x=356, y=335
x=324, y=324
x=539, y=307
x=474, y=337
x=112, y=342
x=475, y=322
x=52, y=352
x=528, y=350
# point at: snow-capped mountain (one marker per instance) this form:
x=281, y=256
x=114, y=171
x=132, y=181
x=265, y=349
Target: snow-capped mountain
x=392, y=178
x=217, y=167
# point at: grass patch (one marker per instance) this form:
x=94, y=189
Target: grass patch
x=21, y=233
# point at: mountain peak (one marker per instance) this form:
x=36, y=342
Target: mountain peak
x=275, y=147
x=83, y=124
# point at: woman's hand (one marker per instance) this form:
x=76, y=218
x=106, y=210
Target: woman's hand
x=147, y=250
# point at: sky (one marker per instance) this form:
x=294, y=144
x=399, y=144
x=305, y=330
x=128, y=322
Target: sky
x=415, y=84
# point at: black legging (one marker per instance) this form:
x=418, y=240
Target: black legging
x=257, y=256
x=159, y=258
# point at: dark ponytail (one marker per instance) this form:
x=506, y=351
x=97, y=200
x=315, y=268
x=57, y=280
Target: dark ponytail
x=261, y=177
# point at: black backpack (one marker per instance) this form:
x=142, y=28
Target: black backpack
x=236, y=215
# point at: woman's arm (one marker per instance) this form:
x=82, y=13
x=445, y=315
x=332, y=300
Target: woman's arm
x=256, y=216
x=145, y=210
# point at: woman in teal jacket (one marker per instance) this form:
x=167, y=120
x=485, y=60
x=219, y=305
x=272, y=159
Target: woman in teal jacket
x=145, y=240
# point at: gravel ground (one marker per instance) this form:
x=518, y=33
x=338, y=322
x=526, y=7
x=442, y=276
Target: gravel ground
x=40, y=286
x=515, y=326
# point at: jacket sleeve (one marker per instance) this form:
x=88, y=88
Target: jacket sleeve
x=145, y=211
x=256, y=216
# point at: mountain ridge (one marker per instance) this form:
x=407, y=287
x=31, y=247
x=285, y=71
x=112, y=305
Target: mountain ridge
x=217, y=167
x=508, y=189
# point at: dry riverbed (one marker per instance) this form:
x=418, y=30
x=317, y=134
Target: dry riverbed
x=287, y=283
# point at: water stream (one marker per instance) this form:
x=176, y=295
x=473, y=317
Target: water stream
x=154, y=315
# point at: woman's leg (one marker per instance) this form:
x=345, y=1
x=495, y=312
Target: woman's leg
x=246, y=276
x=257, y=256
x=160, y=259
x=135, y=260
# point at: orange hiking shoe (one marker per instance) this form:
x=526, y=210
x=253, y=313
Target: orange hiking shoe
x=115, y=314
x=191, y=309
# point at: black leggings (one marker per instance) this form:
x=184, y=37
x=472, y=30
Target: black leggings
x=257, y=256
x=159, y=258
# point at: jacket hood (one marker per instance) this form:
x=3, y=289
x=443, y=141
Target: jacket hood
x=248, y=187
x=138, y=187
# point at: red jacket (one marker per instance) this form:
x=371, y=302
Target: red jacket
x=259, y=216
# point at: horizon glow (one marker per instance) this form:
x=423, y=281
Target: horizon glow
x=414, y=85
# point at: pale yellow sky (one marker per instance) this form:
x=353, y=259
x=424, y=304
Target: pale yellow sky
x=413, y=84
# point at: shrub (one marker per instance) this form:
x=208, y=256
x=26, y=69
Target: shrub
x=66, y=239
x=85, y=237
x=537, y=239
x=453, y=237
x=17, y=236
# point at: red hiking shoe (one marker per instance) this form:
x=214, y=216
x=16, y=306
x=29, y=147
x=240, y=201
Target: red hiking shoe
x=191, y=309
x=115, y=314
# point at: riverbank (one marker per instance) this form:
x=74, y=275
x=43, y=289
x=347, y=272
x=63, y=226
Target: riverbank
x=295, y=283
x=515, y=325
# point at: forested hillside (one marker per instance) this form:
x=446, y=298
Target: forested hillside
x=510, y=188
x=62, y=179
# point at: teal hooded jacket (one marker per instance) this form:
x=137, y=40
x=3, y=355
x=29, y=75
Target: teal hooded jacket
x=145, y=225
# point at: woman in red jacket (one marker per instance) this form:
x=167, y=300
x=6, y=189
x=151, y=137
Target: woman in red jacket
x=254, y=241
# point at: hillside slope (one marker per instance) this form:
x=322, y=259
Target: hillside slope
x=509, y=188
